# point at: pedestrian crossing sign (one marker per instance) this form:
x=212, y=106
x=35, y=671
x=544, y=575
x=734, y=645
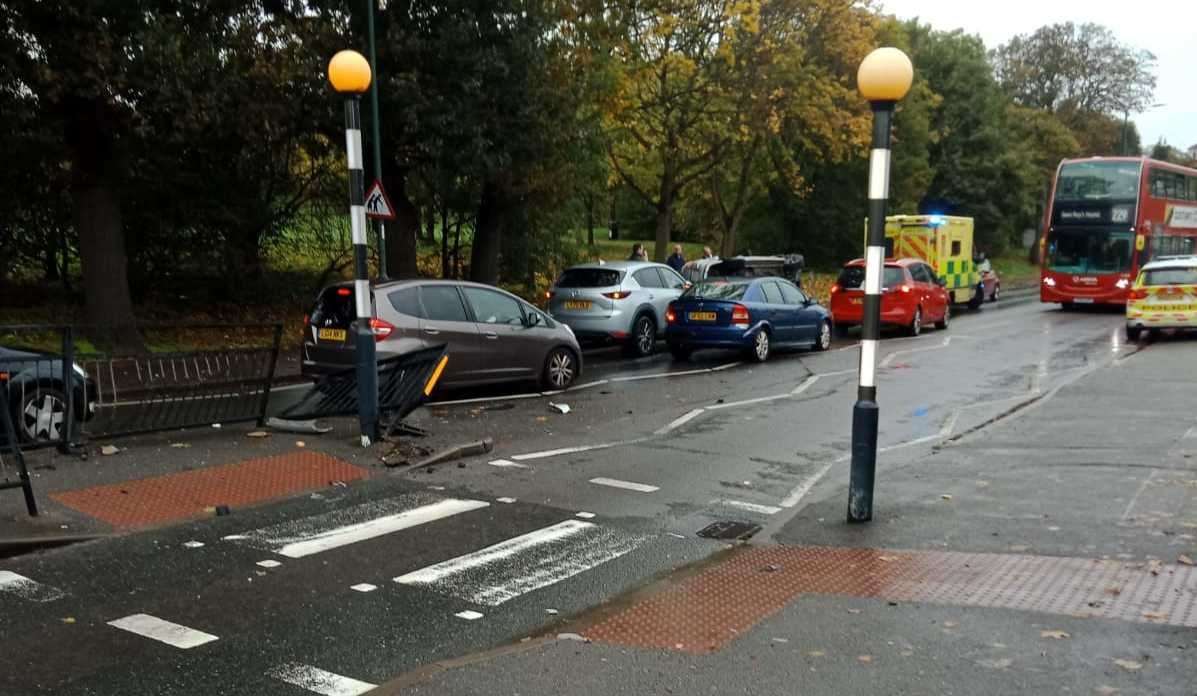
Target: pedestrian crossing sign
x=378, y=206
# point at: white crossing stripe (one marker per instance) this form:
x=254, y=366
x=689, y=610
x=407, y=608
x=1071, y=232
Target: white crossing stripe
x=469, y=615
x=319, y=681
x=507, y=463
x=628, y=485
x=751, y=507
x=23, y=587
x=504, y=571
x=363, y=587
x=331, y=530
x=679, y=422
x=163, y=631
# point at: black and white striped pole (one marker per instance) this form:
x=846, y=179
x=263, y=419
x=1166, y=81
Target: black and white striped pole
x=349, y=74
x=884, y=79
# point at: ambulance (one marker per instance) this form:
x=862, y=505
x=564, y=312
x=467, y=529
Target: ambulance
x=945, y=242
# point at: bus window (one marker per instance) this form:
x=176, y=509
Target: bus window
x=1089, y=251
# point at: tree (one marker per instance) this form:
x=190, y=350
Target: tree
x=1072, y=69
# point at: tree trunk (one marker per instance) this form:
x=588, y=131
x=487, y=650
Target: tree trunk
x=97, y=210
x=402, y=231
x=590, y=219
x=457, y=248
x=664, y=215
x=446, y=269
x=488, y=236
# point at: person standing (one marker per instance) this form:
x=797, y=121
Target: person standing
x=707, y=253
x=676, y=260
x=638, y=253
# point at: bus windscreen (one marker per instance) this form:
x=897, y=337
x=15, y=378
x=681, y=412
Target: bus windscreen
x=1090, y=251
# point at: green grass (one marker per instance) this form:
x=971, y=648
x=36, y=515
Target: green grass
x=620, y=249
x=1015, y=270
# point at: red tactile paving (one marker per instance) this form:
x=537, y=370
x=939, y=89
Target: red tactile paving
x=152, y=501
x=704, y=612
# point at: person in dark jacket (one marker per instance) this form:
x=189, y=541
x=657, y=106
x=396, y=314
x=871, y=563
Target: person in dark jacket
x=676, y=260
x=638, y=253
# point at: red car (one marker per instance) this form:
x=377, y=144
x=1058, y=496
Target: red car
x=911, y=296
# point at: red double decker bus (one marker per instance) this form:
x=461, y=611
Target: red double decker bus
x=1107, y=217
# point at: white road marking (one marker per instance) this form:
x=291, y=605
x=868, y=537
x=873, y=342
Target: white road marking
x=163, y=631
x=331, y=530
x=751, y=507
x=23, y=587
x=469, y=615
x=588, y=385
x=803, y=488
x=659, y=375
x=269, y=563
x=746, y=402
x=319, y=681
x=628, y=485
x=193, y=544
x=679, y=422
x=585, y=515
x=505, y=500
x=574, y=450
x=504, y=571
x=837, y=373
x=1135, y=499
x=363, y=587
x=508, y=463
x=806, y=384
x=890, y=358
x=726, y=366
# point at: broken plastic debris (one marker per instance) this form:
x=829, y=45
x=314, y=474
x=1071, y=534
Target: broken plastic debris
x=109, y=450
x=551, y=612
x=257, y=433
x=216, y=425
x=560, y=408
x=180, y=445
x=1184, y=560
x=572, y=636
x=300, y=443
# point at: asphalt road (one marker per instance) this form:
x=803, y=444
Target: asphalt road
x=333, y=592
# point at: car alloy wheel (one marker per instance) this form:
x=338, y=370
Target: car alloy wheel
x=646, y=336
x=43, y=413
x=824, y=336
x=760, y=346
x=560, y=369
x=916, y=325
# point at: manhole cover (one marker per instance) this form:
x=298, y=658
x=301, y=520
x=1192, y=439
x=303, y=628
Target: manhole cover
x=729, y=530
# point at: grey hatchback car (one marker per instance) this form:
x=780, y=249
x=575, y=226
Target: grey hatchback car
x=492, y=336
x=617, y=302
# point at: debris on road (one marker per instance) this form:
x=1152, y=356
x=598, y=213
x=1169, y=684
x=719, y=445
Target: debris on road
x=1184, y=560
x=180, y=445
x=1055, y=635
x=1129, y=665
x=467, y=450
x=302, y=427
x=403, y=453
x=560, y=408
x=300, y=443
x=573, y=636
x=109, y=450
x=945, y=496
x=257, y=434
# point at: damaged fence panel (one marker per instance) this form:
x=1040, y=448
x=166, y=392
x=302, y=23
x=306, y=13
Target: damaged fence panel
x=12, y=462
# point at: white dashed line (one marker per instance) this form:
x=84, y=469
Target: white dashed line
x=31, y=590
x=806, y=384
x=469, y=615
x=508, y=463
x=319, y=681
x=269, y=563
x=679, y=422
x=751, y=507
x=193, y=544
x=505, y=500
x=163, y=631
x=747, y=402
x=627, y=485
x=585, y=515
x=363, y=587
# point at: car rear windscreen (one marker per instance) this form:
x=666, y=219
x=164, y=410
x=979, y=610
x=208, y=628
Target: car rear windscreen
x=334, y=308
x=589, y=278
x=718, y=291
x=1171, y=276
x=852, y=277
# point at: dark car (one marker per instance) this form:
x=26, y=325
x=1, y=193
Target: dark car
x=37, y=393
x=492, y=335
x=754, y=315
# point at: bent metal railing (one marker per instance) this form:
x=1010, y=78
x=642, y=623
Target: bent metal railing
x=13, y=471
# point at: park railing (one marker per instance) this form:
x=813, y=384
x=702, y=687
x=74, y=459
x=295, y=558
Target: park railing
x=63, y=390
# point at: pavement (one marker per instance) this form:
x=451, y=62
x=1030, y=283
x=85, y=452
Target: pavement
x=1033, y=519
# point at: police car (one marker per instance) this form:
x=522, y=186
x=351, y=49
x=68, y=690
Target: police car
x=1164, y=296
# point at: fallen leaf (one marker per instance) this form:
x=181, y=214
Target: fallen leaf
x=1002, y=663
x=1129, y=665
x=950, y=624
x=257, y=433
x=180, y=445
x=300, y=443
x=1155, y=615
x=542, y=419
x=109, y=450
x=865, y=659
x=781, y=640
x=816, y=653
x=1184, y=560
x=1055, y=635
x=853, y=611
x=1155, y=566
x=887, y=559
x=68, y=619
x=1114, y=590
x=945, y=496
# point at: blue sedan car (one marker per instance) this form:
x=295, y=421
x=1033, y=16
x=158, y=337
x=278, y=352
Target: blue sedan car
x=754, y=315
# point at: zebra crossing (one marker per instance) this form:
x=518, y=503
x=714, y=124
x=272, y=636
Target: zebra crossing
x=472, y=582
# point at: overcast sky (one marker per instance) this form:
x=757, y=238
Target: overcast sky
x=1167, y=28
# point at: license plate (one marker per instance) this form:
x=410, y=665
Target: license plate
x=331, y=334
x=703, y=316
x=857, y=300
x=1083, y=300
x=577, y=304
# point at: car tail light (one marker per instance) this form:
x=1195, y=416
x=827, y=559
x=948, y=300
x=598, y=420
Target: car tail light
x=1138, y=294
x=740, y=317
x=3, y=376
x=670, y=315
x=381, y=329
x=617, y=295
x=344, y=292
x=835, y=288
x=549, y=295
x=307, y=320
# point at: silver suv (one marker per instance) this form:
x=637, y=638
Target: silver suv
x=620, y=302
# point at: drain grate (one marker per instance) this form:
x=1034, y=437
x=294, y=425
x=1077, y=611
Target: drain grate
x=729, y=529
